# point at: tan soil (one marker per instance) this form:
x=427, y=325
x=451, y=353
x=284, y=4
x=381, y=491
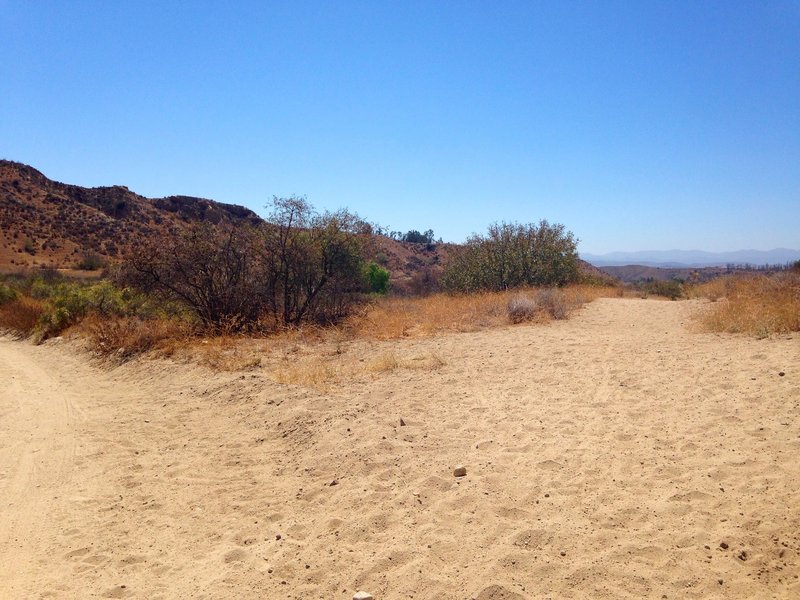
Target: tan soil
x=608, y=456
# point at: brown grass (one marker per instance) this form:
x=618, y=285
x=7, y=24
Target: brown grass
x=21, y=315
x=393, y=318
x=123, y=338
x=322, y=372
x=757, y=305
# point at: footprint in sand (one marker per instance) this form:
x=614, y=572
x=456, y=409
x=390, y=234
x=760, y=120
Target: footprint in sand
x=498, y=592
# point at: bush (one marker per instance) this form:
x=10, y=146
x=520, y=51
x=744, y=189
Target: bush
x=130, y=336
x=671, y=289
x=21, y=315
x=512, y=255
x=521, y=308
x=554, y=302
x=90, y=262
x=7, y=293
x=215, y=272
x=300, y=266
x=376, y=279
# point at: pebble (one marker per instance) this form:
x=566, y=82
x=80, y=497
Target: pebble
x=460, y=472
x=363, y=596
x=781, y=374
x=402, y=422
x=723, y=545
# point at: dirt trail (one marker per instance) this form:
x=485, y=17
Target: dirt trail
x=39, y=412
x=614, y=455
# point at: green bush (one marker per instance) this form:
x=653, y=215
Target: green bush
x=376, y=278
x=7, y=293
x=68, y=303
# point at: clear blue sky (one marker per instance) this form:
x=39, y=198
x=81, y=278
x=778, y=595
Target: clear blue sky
x=639, y=125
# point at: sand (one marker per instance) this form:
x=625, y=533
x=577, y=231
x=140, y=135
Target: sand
x=619, y=454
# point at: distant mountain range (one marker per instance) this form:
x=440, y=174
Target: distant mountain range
x=692, y=258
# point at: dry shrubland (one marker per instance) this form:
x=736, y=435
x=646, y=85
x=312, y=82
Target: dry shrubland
x=758, y=305
x=21, y=315
x=392, y=318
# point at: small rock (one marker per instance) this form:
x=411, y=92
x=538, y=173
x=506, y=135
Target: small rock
x=363, y=596
x=460, y=472
x=742, y=555
x=723, y=545
x=277, y=537
x=334, y=482
x=720, y=581
x=402, y=422
x=781, y=374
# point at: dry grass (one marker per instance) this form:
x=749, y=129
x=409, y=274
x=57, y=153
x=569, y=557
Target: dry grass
x=757, y=305
x=21, y=315
x=323, y=372
x=123, y=338
x=393, y=318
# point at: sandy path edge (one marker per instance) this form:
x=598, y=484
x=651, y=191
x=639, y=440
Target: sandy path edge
x=40, y=409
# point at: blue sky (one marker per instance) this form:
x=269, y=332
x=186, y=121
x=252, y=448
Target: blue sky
x=638, y=125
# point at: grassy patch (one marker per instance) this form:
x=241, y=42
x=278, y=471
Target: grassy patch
x=393, y=318
x=757, y=305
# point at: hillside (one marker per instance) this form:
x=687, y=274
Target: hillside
x=45, y=223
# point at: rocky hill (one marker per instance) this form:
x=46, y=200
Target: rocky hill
x=47, y=223
x=44, y=223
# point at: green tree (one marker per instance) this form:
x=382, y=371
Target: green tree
x=514, y=255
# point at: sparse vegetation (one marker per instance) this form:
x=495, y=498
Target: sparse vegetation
x=757, y=305
x=394, y=317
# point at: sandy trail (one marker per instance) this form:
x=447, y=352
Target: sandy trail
x=609, y=456
x=37, y=449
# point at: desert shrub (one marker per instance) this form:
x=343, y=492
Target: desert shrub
x=301, y=266
x=521, y=308
x=376, y=278
x=512, y=255
x=555, y=303
x=671, y=289
x=21, y=316
x=757, y=305
x=215, y=272
x=90, y=262
x=7, y=293
x=126, y=337
x=66, y=303
x=314, y=263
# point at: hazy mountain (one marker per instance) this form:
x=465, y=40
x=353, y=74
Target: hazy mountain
x=692, y=258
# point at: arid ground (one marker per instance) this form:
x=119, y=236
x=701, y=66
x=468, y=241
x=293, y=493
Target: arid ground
x=619, y=454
